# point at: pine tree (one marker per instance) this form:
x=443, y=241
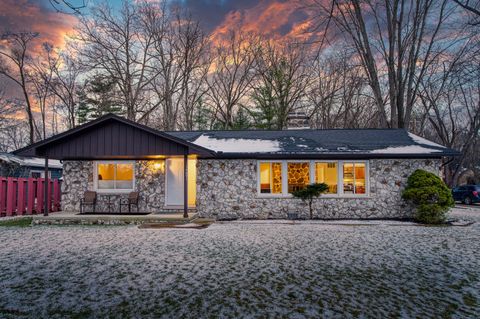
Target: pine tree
x=241, y=121
x=98, y=97
x=265, y=108
x=202, y=117
x=83, y=111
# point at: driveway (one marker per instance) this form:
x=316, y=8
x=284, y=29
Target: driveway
x=242, y=269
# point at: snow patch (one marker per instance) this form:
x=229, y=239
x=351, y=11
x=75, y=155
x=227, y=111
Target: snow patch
x=238, y=145
x=409, y=149
x=308, y=269
x=421, y=140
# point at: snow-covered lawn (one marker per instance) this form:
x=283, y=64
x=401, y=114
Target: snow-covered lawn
x=242, y=269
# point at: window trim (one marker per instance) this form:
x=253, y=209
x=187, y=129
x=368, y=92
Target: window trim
x=339, y=194
x=112, y=190
x=312, y=173
x=286, y=173
x=367, y=179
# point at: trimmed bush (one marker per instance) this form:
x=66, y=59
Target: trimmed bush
x=310, y=192
x=431, y=197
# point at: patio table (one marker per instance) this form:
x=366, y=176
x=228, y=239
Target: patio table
x=109, y=204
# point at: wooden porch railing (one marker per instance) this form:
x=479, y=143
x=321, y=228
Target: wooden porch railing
x=24, y=196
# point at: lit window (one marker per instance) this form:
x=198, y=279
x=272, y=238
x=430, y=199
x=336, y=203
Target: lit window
x=298, y=175
x=327, y=173
x=354, y=178
x=115, y=176
x=271, y=178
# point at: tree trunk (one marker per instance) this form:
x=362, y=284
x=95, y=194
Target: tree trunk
x=310, y=208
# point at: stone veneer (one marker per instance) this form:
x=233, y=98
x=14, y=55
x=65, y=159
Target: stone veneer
x=227, y=189
x=78, y=177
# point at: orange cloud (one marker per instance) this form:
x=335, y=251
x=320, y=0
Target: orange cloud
x=23, y=15
x=274, y=19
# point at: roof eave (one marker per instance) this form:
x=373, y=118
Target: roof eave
x=32, y=150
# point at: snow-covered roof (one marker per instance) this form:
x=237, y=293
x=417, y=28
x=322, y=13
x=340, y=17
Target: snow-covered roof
x=295, y=143
x=29, y=161
x=243, y=145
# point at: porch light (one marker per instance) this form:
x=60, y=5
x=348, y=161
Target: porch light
x=158, y=166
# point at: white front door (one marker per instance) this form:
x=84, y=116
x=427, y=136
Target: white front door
x=174, y=182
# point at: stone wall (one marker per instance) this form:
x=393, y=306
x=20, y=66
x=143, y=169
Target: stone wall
x=78, y=177
x=228, y=189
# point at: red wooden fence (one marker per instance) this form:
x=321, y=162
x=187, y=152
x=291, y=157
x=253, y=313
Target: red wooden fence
x=24, y=196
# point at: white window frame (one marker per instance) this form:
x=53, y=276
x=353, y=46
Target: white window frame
x=339, y=194
x=285, y=176
x=271, y=179
x=367, y=179
x=312, y=174
x=112, y=190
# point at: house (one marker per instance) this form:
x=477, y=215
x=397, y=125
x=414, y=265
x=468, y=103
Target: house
x=17, y=166
x=241, y=174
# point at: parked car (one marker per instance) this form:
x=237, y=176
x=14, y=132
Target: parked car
x=468, y=194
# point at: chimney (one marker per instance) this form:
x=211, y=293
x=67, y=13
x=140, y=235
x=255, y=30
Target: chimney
x=297, y=121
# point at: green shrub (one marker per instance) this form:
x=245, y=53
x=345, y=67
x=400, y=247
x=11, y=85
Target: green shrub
x=430, y=195
x=309, y=192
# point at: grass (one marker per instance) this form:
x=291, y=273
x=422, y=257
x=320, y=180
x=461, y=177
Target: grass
x=469, y=300
x=17, y=222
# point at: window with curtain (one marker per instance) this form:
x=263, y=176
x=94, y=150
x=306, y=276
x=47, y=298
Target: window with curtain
x=115, y=176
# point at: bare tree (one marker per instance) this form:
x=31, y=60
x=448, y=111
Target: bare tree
x=68, y=6
x=178, y=54
x=41, y=81
x=12, y=129
x=15, y=62
x=337, y=96
x=472, y=7
x=230, y=79
x=66, y=85
x=450, y=97
x=283, y=76
x=398, y=38
x=196, y=64
x=114, y=43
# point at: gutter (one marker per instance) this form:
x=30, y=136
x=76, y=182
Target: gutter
x=220, y=155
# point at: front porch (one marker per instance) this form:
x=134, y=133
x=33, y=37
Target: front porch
x=113, y=158
x=75, y=218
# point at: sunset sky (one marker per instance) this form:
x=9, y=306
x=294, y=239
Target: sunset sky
x=274, y=18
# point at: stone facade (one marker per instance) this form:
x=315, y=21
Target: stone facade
x=227, y=189
x=149, y=182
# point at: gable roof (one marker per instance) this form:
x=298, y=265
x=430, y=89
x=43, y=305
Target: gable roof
x=111, y=137
x=310, y=143
x=114, y=137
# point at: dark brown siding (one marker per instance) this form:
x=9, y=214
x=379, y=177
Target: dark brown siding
x=113, y=140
